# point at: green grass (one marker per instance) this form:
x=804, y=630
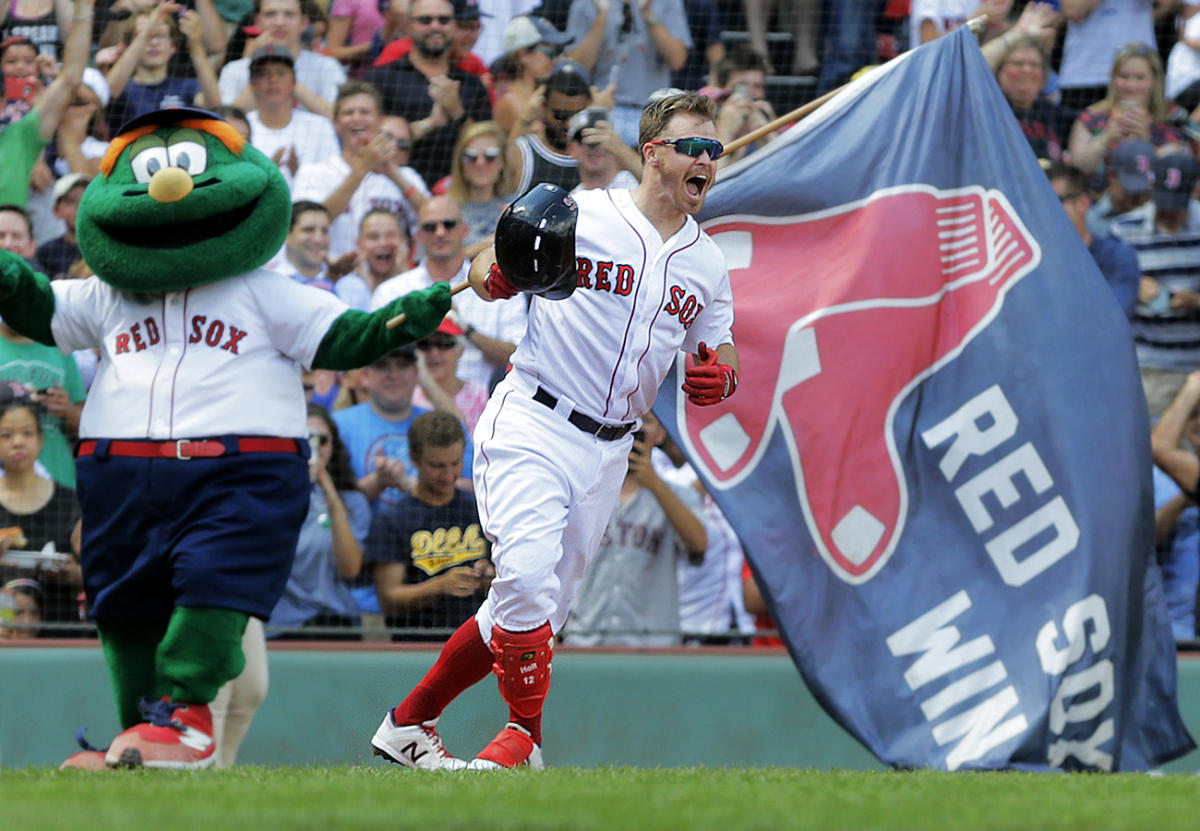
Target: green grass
x=604, y=799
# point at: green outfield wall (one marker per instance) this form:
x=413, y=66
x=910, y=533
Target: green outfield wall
x=653, y=709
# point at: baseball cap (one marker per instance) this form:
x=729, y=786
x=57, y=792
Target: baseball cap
x=1133, y=163
x=1175, y=178
x=469, y=10
x=63, y=186
x=273, y=52
x=408, y=352
x=569, y=77
x=526, y=31
x=587, y=117
x=449, y=327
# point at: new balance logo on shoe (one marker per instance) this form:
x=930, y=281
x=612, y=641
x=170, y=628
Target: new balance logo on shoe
x=410, y=751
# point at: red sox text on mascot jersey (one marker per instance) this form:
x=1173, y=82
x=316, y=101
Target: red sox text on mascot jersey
x=217, y=359
x=639, y=300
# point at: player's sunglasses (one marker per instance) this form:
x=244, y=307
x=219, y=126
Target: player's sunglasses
x=473, y=155
x=695, y=146
x=443, y=19
x=431, y=227
x=437, y=343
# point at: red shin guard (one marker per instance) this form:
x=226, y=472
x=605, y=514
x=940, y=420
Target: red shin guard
x=522, y=666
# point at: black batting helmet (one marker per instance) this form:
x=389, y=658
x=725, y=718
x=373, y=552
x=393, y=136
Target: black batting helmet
x=535, y=242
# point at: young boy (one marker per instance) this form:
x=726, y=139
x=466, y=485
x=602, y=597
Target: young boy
x=429, y=556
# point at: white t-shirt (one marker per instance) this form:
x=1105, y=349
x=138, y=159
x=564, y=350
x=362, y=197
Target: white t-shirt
x=500, y=319
x=316, y=181
x=320, y=73
x=218, y=359
x=1183, y=64
x=310, y=136
x=946, y=15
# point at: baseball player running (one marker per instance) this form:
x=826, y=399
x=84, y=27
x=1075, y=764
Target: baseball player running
x=553, y=444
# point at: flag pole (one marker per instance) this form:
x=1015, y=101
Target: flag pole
x=975, y=24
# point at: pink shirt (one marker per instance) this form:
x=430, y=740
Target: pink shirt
x=471, y=400
x=365, y=19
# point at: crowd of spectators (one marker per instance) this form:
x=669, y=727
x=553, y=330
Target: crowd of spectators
x=404, y=128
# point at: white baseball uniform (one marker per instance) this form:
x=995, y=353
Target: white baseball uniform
x=172, y=364
x=545, y=488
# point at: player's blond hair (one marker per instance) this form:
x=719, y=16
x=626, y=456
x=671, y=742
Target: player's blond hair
x=658, y=113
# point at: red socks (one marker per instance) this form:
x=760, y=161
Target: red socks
x=465, y=660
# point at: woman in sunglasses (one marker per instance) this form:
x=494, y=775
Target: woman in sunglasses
x=531, y=44
x=1134, y=108
x=479, y=180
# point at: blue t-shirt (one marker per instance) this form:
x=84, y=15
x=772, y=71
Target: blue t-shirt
x=1118, y=263
x=138, y=99
x=1180, y=560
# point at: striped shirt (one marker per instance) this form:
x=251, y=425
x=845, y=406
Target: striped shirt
x=1166, y=338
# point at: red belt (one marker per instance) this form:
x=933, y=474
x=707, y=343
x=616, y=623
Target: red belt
x=184, y=449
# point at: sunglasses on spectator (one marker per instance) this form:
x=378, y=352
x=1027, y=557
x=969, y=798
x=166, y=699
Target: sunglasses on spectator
x=431, y=227
x=320, y=438
x=473, y=155
x=1067, y=197
x=549, y=50
x=437, y=343
x=563, y=115
x=444, y=19
x=1135, y=50
x=626, y=18
x=404, y=145
x=695, y=146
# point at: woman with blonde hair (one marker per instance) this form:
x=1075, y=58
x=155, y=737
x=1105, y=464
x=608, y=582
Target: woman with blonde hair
x=479, y=179
x=1135, y=108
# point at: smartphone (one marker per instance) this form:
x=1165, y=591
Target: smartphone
x=22, y=89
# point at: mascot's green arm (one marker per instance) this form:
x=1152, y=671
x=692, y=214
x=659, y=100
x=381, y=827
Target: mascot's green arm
x=358, y=338
x=26, y=299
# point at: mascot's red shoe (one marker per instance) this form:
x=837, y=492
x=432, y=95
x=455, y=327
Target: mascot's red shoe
x=86, y=760
x=174, y=735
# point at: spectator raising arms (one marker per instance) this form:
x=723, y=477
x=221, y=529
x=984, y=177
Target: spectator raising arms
x=139, y=83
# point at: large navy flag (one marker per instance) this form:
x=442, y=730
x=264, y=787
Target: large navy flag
x=938, y=457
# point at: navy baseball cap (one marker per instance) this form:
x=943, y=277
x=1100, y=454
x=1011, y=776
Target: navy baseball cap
x=1175, y=178
x=164, y=117
x=569, y=77
x=1133, y=164
x=468, y=10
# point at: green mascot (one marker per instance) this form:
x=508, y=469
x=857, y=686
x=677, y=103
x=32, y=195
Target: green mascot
x=192, y=466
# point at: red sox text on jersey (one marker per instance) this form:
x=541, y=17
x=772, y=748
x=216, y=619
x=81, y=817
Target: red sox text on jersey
x=215, y=333
x=605, y=275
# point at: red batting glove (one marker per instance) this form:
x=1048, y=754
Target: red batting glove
x=497, y=286
x=709, y=382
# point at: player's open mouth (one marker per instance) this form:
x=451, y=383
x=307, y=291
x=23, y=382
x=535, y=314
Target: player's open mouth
x=180, y=234
x=695, y=185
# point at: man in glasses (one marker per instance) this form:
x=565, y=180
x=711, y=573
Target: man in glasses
x=537, y=158
x=490, y=330
x=467, y=16
x=370, y=172
x=634, y=44
x=425, y=87
x=553, y=443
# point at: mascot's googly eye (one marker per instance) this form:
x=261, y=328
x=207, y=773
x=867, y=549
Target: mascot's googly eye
x=190, y=155
x=148, y=162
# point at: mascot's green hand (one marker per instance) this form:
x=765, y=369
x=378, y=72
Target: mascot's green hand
x=423, y=311
x=26, y=299
x=358, y=338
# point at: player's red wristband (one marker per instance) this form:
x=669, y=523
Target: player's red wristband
x=497, y=286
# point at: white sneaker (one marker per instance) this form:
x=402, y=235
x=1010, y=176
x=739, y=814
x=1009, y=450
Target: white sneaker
x=513, y=747
x=414, y=745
